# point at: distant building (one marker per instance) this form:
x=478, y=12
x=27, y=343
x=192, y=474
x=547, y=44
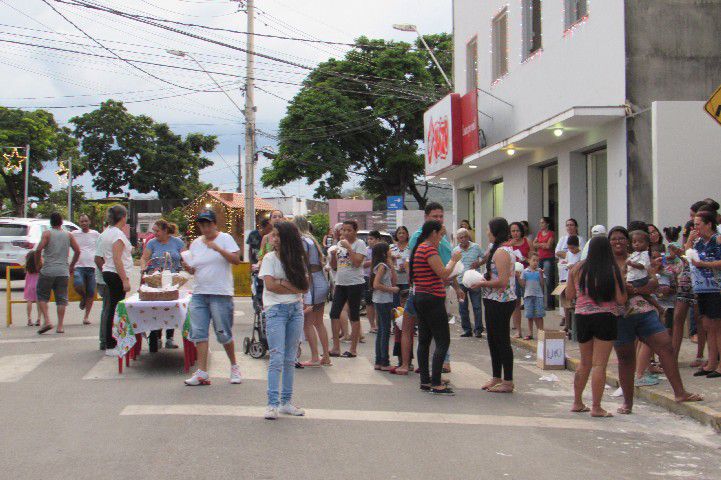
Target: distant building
x=591, y=110
x=437, y=192
x=292, y=205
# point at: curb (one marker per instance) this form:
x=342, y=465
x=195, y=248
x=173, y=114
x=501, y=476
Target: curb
x=695, y=410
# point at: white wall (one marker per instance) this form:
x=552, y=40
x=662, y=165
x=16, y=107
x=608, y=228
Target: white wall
x=522, y=179
x=686, y=158
x=582, y=68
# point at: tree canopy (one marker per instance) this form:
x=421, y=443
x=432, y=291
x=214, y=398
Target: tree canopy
x=48, y=142
x=123, y=150
x=364, y=115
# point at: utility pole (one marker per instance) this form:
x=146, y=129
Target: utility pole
x=70, y=189
x=27, y=180
x=249, y=217
x=239, y=188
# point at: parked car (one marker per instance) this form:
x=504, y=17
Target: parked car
x=20, y=235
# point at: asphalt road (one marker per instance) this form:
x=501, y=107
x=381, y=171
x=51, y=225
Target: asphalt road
x=66, y=413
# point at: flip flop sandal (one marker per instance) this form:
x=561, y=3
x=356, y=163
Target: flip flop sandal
x=311, y=364
x=334, y=354
x=605, y=415
x=44, y=329
x=623, y=411
x=59, y=331
x=584, y=409
x=500, y=388
x=694, y=397
x=349, y=355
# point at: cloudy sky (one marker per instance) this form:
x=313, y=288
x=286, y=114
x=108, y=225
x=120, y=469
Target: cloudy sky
x=74, y=80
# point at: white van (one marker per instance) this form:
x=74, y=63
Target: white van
x=20, y=235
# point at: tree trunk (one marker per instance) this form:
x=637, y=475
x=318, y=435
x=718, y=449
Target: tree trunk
x=421, y=199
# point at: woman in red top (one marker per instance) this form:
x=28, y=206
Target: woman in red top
x=544, y=243
x=521, y=247
x=428, y=274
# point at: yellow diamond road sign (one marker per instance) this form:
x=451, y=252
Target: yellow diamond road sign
x=713, y=106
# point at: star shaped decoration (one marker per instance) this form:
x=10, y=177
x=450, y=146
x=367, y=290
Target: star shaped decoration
x=13, y=161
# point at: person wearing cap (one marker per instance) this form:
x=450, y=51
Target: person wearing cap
x=210, y=260
x=596, y=231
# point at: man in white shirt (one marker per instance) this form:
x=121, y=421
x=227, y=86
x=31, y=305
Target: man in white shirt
x=84, y=275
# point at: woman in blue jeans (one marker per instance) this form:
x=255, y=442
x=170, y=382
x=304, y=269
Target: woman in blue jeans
x=285, y=277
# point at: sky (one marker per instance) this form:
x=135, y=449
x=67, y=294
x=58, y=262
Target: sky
x=75, y=83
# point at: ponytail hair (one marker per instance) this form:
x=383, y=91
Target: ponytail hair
x=429, y=227
x=501, y=233
x=167, y=226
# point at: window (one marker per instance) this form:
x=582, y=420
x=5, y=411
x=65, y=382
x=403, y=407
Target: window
x=497, y=198
x=471, y=65
x=597, y=170
x=576, y=10
x=531, y=27
x=499, y=32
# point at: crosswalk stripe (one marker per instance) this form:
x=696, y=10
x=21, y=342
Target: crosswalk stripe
x=15, y=367
x=377, y=416
x=250, y=368
x=107, y=368
x=39, y=339
x=465, y=375
x=358, y=371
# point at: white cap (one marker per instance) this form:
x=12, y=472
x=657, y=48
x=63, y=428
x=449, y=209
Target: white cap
x=598, y=230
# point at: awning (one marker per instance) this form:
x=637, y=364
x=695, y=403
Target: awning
x=573, y=122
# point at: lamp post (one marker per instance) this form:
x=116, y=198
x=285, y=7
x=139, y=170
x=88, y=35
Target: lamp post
x=406, y=27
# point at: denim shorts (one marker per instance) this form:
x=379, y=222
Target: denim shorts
x=215, y=308
x=639, y=325
x=410, y=309
x=84, y=277
x=534, y=307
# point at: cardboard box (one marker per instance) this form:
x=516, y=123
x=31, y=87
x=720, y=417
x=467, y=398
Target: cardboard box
x=551, y=350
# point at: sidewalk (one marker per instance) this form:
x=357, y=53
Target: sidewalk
x=707, y=412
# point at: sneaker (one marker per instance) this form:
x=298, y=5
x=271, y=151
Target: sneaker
x=199, y=378
x=235, y=374
x=617, y=393
x=169, y=343
x=646, y=381
x=271, y=413
x=466, y=335
x=290, y=409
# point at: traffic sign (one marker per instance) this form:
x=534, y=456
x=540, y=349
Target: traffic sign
x=394, y=202
x=713, y=106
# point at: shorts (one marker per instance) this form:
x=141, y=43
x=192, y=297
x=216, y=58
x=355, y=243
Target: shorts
x=686, y=297
x=206, y=308
x=709, y=304
x=368, y=292
x=84, y=277
x=350, y=294
x=410, y=307
x=534, y=307
x=603, y=326
x=639, y=325
x=56, y=285
x=318, y=292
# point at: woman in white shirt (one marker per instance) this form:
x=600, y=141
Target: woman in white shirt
x=117, y=263
x=285, y=277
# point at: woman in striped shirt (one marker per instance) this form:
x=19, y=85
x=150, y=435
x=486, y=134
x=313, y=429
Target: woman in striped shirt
x=428, y=274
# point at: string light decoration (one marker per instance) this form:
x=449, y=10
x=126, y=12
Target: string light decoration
x=233, y=216
x=63, y=174
x=13, y=161
x=575, y=25
x=505, y=9
x=527, y=15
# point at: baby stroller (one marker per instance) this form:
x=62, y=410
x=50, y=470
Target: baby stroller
x=257, y=344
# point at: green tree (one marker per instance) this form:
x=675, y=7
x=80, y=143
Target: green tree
x=178, y=217
x=362, y=114
x=48, y=142
x=57, y=201
x=125, y=151
x=320, y=222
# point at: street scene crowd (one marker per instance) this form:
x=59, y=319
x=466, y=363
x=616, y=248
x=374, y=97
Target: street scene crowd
x=628, y=288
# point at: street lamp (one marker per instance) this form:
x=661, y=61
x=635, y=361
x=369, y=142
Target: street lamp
x=407, y=27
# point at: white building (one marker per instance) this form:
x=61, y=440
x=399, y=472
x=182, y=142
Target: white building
x=588, y=109
x=292, y=206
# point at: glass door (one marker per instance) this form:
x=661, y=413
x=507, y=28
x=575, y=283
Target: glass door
x=597, y=171
x=498, y=198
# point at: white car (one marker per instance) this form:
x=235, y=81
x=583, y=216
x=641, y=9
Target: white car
x=18, y=236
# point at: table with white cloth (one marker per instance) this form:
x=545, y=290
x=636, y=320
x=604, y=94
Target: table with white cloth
x=134, y=317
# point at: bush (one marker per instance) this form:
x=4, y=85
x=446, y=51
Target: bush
x=320, y=222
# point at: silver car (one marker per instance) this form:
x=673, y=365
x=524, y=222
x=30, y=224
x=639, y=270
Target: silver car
x=18, y=236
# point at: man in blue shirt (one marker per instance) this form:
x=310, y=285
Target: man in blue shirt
x=472, y=259
x=433, y=211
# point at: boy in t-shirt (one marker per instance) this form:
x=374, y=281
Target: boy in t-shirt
x=573, y=256
x=532, y=282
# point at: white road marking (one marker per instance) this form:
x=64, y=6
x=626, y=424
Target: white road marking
x=15, y=367
x=240, y=313
x=45, y=339
x=250, y=368
x=107, y=369
x=357, y=371
x=465, y=375
x=378, y=416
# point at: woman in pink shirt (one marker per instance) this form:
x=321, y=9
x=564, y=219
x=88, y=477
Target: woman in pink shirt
x=544, y=244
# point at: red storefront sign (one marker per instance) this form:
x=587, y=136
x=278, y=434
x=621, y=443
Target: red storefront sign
x=442, y=135
x=469, y=122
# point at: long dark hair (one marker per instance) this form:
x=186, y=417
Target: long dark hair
x=292, y=255
x=31, y=262
x=600, y=273
x=379, y=254
x=520, y=227
x=429, y=227
x=501, y=233
x=395, y=235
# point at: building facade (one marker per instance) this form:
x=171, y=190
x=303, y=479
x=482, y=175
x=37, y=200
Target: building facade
x=587, y=109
